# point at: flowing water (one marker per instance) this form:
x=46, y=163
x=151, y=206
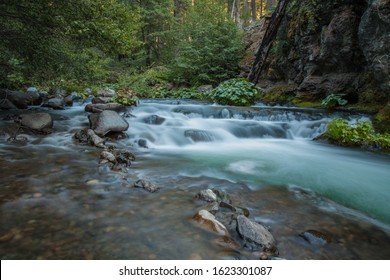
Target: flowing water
x=57, y=202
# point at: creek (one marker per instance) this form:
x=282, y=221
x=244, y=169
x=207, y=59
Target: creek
x=57, y=202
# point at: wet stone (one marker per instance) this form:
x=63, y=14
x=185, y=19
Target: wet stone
x=207, y=221
x=255, y=233
x=154, y=119
x=206, y=195
x=146, y=185
x=315, y=237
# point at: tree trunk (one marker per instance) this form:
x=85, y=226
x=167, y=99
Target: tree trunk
x=254, y=16
x=266, y=43
x=237, y=12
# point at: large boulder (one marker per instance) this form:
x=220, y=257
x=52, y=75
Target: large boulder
x=107, y=121
x=255, y=233
x=57, y=103
x=154, y=119
x=41, y=122
x=20, y=99
x=199, y=135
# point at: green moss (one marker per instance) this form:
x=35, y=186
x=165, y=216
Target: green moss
x=306, y=104
x=279, y=94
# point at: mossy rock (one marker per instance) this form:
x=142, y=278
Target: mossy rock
x=281, y=94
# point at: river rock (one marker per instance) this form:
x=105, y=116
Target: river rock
x=96, y=108
x=41, y=122
x=207, y=196
x=56, y=103
x=20, y=99
x=143, y=143
x=5, y=104
x=89, y=137
x=315, y=237
x=256, y=233
x=107, y=121
x=154, y=119
x=106, y=93
x=101, y=100
x=199, y=135
x=146, y=185
x=207, y=221
x=34, y=96
x=106, y=155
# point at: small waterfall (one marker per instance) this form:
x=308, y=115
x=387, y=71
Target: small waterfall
x=164, y=124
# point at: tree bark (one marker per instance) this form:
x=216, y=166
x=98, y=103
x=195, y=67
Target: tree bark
x=254, y=16
x=266, y=43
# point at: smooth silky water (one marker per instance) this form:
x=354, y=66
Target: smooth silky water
x=57, y=202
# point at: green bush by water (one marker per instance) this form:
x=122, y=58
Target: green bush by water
x=238, y=92
x=360, y=133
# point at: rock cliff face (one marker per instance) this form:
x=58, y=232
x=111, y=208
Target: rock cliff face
x=335, y=46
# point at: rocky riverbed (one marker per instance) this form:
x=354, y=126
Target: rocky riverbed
x=81, y=182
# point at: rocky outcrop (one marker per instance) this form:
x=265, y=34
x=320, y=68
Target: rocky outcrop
x=336, y=46
x=374, y=39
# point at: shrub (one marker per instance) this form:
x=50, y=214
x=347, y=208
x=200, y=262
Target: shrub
x=334, y=100
x=360, y=133
x=237, y=92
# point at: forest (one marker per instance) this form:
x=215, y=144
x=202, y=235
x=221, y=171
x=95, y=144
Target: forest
x=195, y=129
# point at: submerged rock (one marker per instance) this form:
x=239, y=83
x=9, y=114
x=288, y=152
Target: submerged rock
x=154, y=119
x=199, y=135
x=207, y=221
x=146, y=185
x=107, y=121
x=315, y=237
x=255, y=233
x=40, y=122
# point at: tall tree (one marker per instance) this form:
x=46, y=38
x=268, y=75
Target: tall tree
x=254, y=12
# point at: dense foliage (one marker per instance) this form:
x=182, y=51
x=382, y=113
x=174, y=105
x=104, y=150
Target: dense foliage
x=209, y=49
x=360, y=133
x=237, y=92
x=55, y=39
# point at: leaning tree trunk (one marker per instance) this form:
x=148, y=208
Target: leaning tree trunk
x=269, y=36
